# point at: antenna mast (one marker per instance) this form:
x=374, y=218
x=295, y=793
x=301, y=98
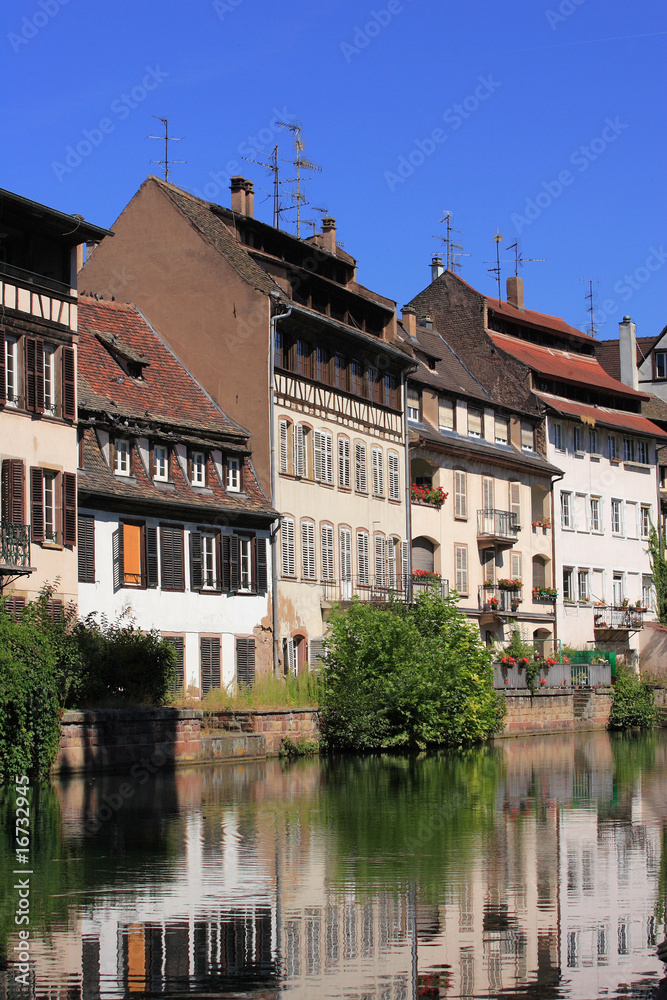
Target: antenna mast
x=272, y=165
x=520, y=260
x=452, y=249
x=592, y=329
x=300, y=162
x=167, y=139
x=498, y=239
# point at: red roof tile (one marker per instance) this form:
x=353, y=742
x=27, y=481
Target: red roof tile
x=570, y=367
x=603, y=415
x=542, y=320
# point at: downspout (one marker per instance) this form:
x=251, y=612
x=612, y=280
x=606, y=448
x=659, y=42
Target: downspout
x=272, y=437
x=408, y=481
x=554, y=479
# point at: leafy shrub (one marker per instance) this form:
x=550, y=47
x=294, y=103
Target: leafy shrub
x=407, y=676
x=633, y=704
x=297, y=748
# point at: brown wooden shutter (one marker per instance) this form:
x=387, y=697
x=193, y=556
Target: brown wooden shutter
x=13, y=491
x=260, y=574
x=151, y=556
x=245, y=661
x=196, y=574
x=3, y=370
x=69, y=379
x=177, y=644
x=37, y=504
x=14, y=607
x=118, y=553
x=29, y=347
x=209, y=663
x=69, y=508
x=86, y=548
x=171, y=558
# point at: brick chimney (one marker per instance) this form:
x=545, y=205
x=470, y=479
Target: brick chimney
x=515, y=291
x=409, y=320
x=627, y=352
x=328, y=241
x=436, y=267
x=249, y=199
x=238, y=189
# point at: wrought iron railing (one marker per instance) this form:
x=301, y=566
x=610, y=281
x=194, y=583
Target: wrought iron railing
x=379, y=589
x=14, y=545
x=558, y=675
x=493, y=598
x=615, y=617
x=497, y=524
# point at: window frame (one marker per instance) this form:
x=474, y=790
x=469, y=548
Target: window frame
x=616, y=512
x=645, y=521
x=198, y=468
x=393, y=476
x=234, y=473
x=566, y=511
x=158, y=477
x=122, y=456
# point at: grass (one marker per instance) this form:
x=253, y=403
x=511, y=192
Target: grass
x=268, y=691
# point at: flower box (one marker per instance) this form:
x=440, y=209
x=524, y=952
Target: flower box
x=509, y=584
x=544, y=593
x=432, y=496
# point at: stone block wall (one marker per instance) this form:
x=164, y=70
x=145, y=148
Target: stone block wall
x=273, y=723
x=556, y=711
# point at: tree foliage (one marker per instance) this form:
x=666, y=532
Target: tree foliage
x=407, y=676
x=656, y=551
x=633, y=703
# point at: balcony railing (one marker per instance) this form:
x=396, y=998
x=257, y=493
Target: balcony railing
x=25, y=278
x=379, y=590
x=499, y=599
x=14, y=548
x=559, y=675
x=615, y=617
x=499, y=525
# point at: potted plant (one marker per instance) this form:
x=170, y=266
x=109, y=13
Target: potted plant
x=508, y=584
x=433, y=496
x=493, y=603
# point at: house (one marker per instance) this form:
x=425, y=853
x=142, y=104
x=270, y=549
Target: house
x=173, y=525
x=282, y=336
x=491, y=537
x=593, y=431
x=39, y=248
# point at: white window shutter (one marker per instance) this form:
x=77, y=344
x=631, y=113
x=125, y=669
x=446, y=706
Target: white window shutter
x=391, y=562
x=345, y=554
x=287, y=545
x=327, y=544
x=360, y=468
x=462, y=569
x=300, y=458
x=515, y=501
x=344, y=462
x=379, y=561
x=362, y=557
x=283, y=445
x=515, y=565
x=488, y=493
x=405, y=561
x=327, y=458
x=394, y=476
x=308, y=550
x=460, y=495
x=317, y=451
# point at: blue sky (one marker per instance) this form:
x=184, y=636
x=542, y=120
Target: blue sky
x=542, y=119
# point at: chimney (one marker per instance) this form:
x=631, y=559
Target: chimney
x=237, y=186
x=627, y=352
x=249, y=199
x=328, y=241
x=436, y=267
x=409, y=320
x=426, y=321
x=515, y=292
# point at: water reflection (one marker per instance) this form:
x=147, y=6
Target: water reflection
x=536, y=868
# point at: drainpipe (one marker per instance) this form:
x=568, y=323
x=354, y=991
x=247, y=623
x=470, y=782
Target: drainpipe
x=554, y=479
x=408, y=478
x=272, y=435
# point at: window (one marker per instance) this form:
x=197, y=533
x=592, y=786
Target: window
x=616, y=517
x=300, y=451
x=566, y=510
x=85, y=527
x=279, y=352
x=198, y=468
x=361, y=482
x=50, y=509
x=135, y=555
x=460, y=495
x=171, y=557
x=501, y=430
x=515, y=504
x=362, y=558
x=642, y=456
x=584, y=585
x=13, y=491
x=307, y=550
x=393, y=546
x=245, y=563
x=379, y=552
x=287, y=546
x=378, y=473
x=647, y=592
x=414, y=404
x=53, y=506
x=323, y=454
x=371, y=383
x=230, y=563
x=645, y=520
x=558, y=437
x=516, y=566
x=391, y=393
x=595, y=514
x=618, y=589
x=475, y=418
x=527, y=437
x=234, y=475
x=121, y=457
x=303, y=355
x=394, y=476
x=283, y=432
x=356, y=378
x=660, y=364
x=245, y=662
x=612, y=448
x=628, y=449
x=461, y=561
x=50, y=380
x=344, y=463
x=209, y=663
x=345, y=552
x=568, y=583
x=578, y=439
x=446, y=414
x=322, y=365
x=205, y=560
x=488, y=493
x=340, y=371
x=488, y=561
x=160, y=462
x=12, y=371
x=327, y=551
x=593, y=441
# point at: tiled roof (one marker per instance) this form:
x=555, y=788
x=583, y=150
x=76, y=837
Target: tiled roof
x=166, y=393
x=481, y=450
x=607, y=353
x=450, y=374
x=655, y=408
x=570, y=367
x=542, y=320
x=634, y=422
x=97, y=482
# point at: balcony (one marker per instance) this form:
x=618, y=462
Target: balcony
x=14, y=549
x=608, y=619
x=498, y=526
x=26, y=278
x=499, y=600
x=378, y=590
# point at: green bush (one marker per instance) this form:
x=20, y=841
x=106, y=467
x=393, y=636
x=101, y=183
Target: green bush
x=407, y=676
x=633, y=704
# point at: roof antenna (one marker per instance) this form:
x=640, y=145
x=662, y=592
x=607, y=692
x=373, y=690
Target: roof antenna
x=300, y=162
x=272, y=165
x=167, y=139
x=520, y=260
x=498, y=239
x=452, y=250
x=592, y=329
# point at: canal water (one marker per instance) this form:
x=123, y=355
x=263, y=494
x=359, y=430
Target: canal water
x=534, y=868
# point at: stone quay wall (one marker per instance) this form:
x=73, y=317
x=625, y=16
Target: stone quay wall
x=559, y=710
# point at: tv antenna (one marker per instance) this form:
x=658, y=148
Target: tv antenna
x=301, y=163
x=520, y=260
x=272, y=165
x=452, y=249
x=498, y=239
x=592, y=329
x=167, y=139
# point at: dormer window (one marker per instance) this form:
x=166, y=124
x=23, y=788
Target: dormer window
x=233, y=475
x=121, y=457
x=198, y=469
x=161, y=463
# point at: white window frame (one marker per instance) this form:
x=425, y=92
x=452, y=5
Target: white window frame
x=578, y=439
x=568, y=584
x=503, y=424
x=50, y=498
x=50, y=379
x=584, y=585
x=558, y=437
x=394, y=475
x=198, y=466
x=160, y=463
x=645, y=520
x=616, y=517
x=413, y=395
x=593, y=441
x=121, y=456
x=245, y=565
x=12, y=371
x=566, y=516
x=209, y=560
x=595, y=514
x=233, y=475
